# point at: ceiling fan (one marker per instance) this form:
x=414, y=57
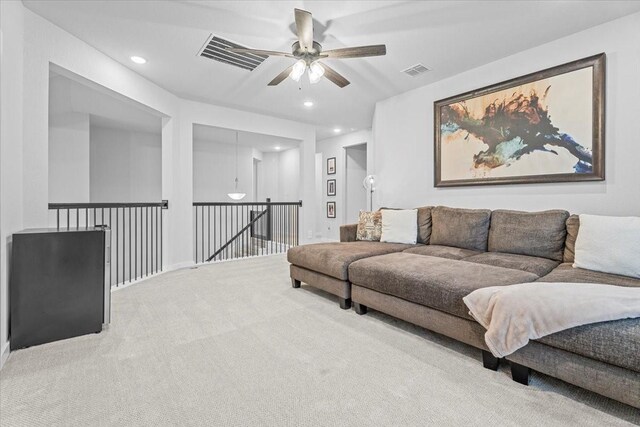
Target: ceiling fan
x=309, y=53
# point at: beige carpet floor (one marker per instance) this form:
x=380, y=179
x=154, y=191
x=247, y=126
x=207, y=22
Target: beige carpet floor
x=234, y=344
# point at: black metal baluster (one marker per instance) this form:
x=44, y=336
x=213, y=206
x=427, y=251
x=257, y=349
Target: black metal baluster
x=151, y=237
x=226, y=231
x=116, y=230
x=146, y=240
x=129, y=244
x=157, y=209
x=196, y=233
x=209, y=230
x=202, y=234
x=161, y=242
x=135, y=243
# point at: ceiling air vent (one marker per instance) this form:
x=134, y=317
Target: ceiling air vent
x=416, y=70
x=215, y=47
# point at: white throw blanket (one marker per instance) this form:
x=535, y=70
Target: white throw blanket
x=515, y=314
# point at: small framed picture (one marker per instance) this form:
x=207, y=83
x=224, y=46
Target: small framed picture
x=331, y=209
x=331, y=166
x=331, y=187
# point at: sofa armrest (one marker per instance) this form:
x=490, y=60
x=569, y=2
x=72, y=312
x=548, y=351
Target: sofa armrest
x=348, y=232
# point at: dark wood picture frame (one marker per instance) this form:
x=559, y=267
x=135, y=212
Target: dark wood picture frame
x=331, y=209
x=331, y=166
x=331, y=187
x=597, y=63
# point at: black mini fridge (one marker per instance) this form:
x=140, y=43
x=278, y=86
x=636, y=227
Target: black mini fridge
x=58, y=284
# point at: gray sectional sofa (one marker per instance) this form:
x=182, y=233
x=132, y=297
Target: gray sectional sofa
x=460, y=250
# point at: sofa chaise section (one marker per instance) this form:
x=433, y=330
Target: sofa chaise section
x=325, y=265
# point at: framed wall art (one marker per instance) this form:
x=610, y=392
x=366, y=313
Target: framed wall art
x=331, y=209
x=546, y=126
x=331, y=187
x=331, y=166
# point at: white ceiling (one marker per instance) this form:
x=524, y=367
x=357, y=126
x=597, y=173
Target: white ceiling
x=264, y=143
x=447, y=36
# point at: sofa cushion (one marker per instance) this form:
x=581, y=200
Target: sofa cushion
x=424, y=223
x=539, y=234
x=536, y=265
x=567, y=273
x=434, y=282
x=616, y=342
x=462, y=228
x=399, y=226
x=334, y=258
x=369, y=226
x=609, y=244
x=573, y=225
x=449, y=252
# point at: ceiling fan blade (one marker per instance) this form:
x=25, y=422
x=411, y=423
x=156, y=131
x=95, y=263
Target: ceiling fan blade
x=334, y=77
x=281, y=77
x=356, y=52
x=304, y=25
x=259, y=52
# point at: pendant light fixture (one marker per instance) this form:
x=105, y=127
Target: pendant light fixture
x=236, y=195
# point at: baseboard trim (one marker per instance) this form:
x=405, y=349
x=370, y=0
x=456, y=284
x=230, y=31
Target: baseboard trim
x=144, y=279
x=4, y=354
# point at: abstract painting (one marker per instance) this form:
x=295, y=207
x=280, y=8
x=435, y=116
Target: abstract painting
x=543, y=127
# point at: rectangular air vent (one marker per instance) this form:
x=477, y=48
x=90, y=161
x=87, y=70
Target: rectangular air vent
x=416, y=70
x=214, y=49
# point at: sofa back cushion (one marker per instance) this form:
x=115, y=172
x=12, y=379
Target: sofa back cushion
x=540, y=234
x=573, y=225
x=462, y=228
x=424, y=224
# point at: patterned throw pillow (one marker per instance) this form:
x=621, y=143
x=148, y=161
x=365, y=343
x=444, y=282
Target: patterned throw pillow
x=369, y=226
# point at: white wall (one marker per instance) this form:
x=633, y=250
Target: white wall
x=279, y=177
x=214, y=165
x=11, y=146
x=403, y=132
x=329, y=228
x=126, y=166
x=69, y=158
x=355, y=172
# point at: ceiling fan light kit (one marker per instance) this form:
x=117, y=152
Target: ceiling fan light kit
x=309, y=53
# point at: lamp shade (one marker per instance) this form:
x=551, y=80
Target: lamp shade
x=298, y=70
x=316, y=71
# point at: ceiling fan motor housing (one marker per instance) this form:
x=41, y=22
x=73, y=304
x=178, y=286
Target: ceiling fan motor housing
x=308, y=55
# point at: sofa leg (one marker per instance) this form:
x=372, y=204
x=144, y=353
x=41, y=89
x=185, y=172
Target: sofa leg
x=520, y=373
x=345, y=303
x=295, y=283
x=489, y=361
x=360, y=308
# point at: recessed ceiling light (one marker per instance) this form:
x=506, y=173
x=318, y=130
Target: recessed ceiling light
x=337, y=130
x=277, y=148
x=308, y=103
x=138, y=59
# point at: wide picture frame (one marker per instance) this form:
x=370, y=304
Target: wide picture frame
x=547, y=126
